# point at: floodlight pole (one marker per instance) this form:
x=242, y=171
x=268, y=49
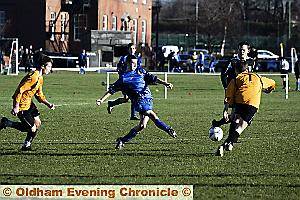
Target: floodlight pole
x=197, y=13
x=290, y=18
x=157, y=7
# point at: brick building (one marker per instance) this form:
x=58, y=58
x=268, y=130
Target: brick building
x=66, y=25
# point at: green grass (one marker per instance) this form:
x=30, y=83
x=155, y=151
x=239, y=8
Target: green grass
x=76, y=142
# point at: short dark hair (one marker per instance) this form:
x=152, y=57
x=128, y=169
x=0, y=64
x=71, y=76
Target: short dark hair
x=130, y=45
x=40, y=59
x=243, y=43
x=129, y=58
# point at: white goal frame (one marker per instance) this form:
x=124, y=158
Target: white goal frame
x=14, y=46
x=199, y=74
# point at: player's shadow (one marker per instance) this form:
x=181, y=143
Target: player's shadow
x=71, y=177
x=103, y=152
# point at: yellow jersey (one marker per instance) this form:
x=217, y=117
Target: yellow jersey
x=246, y=88
x=30, y=85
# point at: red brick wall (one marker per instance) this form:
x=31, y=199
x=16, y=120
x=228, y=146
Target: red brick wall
x=118, y=8
x=57, y=44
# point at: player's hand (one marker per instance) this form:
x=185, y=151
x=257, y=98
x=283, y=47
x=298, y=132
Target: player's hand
x=99, y=102
x=268, y=90
x=169, y=85
x=225, y=115
x=15, y=111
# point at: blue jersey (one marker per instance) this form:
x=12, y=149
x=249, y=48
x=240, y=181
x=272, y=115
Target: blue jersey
x=135, y=85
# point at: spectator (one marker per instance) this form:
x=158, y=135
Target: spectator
x=212, y=64
x=82, y=61
x=297, y=72
x=173, y=62
x=21, y=51
x=161, y=60
x=195, y=60
x=26, y=62
x=1, y=61
x=285, y=66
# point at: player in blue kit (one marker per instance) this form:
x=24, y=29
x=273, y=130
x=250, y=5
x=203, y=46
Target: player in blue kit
x=121, y=68
x=134, y=83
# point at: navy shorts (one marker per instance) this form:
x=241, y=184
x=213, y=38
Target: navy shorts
x=143, y=105
x=27, y=116
x=246, y=112
x=283, y=71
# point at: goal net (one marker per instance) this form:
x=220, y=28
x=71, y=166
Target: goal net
x=9, y=55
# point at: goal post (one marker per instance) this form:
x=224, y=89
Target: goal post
x=166, y=74
x=9, y=48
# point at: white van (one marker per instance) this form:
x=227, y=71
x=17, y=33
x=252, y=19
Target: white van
x=167, y=49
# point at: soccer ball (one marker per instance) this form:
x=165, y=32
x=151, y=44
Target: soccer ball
x=215, y=133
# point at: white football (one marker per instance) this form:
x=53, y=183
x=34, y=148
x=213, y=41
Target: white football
x=215, y=133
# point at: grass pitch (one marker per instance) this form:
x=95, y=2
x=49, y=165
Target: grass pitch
x=76, y=142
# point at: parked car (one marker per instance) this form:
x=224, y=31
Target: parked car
x=265, y=54
x=198, y=51
x=167, y=49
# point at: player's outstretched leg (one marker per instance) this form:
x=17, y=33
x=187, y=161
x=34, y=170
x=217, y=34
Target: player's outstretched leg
x=219, y=123
x=3, y=123
x=31, y=134
x=11, y=124
x=118, y=101
x=133, y=132
x=26, y=146
x=133, y=113
x=160, y=124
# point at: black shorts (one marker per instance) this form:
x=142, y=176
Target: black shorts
x=246, y=112
x=283, y=71
x=27, y=116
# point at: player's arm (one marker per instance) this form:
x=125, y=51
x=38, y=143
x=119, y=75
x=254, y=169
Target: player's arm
x=24, y=86
x=152, y=79
x=103, y=98
x=267, y=84
x=42, y=99
x=229, y=98
x=117, y=86
x=166, y=84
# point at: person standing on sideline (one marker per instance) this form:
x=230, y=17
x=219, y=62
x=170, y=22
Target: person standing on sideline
x=23, y=106
x=82, y=61
x=25, y=62
x=244, y=94
x=134, y=83
x=285, y=66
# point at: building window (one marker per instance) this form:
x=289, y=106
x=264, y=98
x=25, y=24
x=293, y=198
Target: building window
x=52, y=25
x=144, y=1
x=63, y=27
x=144, y=31
x=104, y=23
x=2, y=21
x=114, y=23
x=80, y=21
x=134, y=30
